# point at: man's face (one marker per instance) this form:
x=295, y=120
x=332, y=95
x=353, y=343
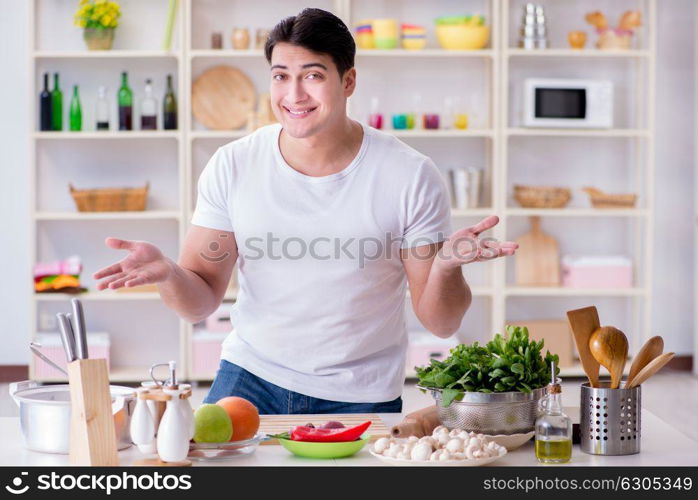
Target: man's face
x=307, y=93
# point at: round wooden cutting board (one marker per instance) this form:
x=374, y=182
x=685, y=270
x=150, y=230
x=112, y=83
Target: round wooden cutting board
x=222, y=98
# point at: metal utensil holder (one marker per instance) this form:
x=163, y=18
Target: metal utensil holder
x=610, y=420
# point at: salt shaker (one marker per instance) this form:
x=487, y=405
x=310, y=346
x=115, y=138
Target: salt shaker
x=187, y=410
x=173, y=434
x=143, y=425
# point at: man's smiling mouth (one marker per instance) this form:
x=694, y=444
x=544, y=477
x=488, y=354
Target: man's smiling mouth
x=299, y=113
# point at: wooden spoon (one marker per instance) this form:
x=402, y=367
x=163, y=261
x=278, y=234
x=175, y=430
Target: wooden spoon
x=650, y=369
x=583, y=323
x=652, y=348
x=609, y=346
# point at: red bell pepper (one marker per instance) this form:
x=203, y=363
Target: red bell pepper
x=305, y=433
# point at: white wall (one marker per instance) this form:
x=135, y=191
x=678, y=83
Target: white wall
x=673, y=283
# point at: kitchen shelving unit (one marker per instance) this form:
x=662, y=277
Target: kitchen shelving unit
x=491, y=138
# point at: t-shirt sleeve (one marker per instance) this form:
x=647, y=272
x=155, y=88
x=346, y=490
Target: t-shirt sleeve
x=428, y=218
x=213, y=199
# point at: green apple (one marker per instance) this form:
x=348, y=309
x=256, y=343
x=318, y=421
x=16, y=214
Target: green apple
x=212, y=424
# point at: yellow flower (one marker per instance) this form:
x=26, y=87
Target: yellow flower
x=106, y=20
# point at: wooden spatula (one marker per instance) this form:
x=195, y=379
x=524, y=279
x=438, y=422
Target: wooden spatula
x=650, y=369
x=537, y=258
x=652, y=348
x=609, y=346
x=584, y=322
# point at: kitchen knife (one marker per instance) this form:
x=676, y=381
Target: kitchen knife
x=34, y=347
x=67, y=337
x=80, y=329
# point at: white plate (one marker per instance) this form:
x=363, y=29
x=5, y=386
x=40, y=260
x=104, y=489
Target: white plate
x=475, y=462
x=511, y=441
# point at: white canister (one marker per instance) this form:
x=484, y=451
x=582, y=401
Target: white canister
x=143, y=425
x=465, y=187
x=173, y=434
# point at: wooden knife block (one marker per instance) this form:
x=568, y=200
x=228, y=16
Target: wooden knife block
x=92, y=434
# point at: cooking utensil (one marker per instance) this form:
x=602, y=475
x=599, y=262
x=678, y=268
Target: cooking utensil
x=537, y=258
x=67, y=337
x=609, y=346
x=45, y=411
x=652, y=348
x=418, y=423
x=324, y=450
x=80, y=329
x=34, y=347
x=610, y=420
x=650, y=369
x=490, y=413
x=583, y=323
x=222, y=98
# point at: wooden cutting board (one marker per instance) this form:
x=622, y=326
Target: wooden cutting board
x=537, y=258
x=276, y=424
x=222, y=98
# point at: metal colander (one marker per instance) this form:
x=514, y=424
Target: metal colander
x=491, y=413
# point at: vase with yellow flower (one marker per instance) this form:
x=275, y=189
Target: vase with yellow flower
x=98, y=19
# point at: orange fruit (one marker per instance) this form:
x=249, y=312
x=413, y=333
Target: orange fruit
x=243, y=415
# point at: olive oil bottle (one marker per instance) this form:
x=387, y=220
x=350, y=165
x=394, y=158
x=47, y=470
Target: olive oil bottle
x=553, y=427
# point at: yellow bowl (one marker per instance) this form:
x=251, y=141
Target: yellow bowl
x=462, y=36
x=414, y=43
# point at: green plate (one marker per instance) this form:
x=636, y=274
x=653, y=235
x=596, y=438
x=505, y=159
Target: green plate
x=325, y=450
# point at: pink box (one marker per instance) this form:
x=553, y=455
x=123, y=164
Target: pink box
x=206, y=352
x=52, y=348
x=597, y=271
x=219, y=321
x=423, y=347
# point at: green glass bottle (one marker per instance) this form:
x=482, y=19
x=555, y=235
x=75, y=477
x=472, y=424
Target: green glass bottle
x=56, y=105
x=75, y=111
x=125, y=104
x=170, y=107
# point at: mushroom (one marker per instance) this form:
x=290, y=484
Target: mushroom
x=381, y=445
x=421, y=452
x=435, y=456
x=445, y=455
x=402, y=456
x=454, y=445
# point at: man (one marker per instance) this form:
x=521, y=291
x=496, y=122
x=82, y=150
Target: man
x=325, y=218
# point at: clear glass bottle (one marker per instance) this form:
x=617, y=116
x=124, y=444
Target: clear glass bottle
x=553, y=427
x=102, y=109
x=149, y=108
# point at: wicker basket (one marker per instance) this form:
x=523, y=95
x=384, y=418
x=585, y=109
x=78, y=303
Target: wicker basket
x=110, y=199
x=599, y=199
x=542, y=196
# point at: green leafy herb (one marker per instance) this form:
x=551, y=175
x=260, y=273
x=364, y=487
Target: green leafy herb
x=506, y=364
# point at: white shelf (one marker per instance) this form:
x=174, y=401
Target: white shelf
x=207, y=53
x=98, y=296
x=108, y=134
x=477, y=291
x=143, y=215
x=544, y=132
x=577, y=212
x=218, y=134
x=487, y=53
x=593, y=53
x=577, y=370
x=116, y=374
x=428, y=134
x=516, y=291
x=472, y=212
x=106, y=54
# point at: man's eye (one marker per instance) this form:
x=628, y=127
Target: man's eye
x=278, y=77
x=314, y=76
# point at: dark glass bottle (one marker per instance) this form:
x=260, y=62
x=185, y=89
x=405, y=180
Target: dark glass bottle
x=170, y=107
x=125, y=104
x=56, y=105
x=45, y=106
x=75, y=111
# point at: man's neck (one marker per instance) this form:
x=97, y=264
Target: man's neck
x=325, y=153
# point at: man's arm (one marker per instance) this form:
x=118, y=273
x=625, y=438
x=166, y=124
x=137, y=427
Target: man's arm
x=197, y=283
x=440, y=296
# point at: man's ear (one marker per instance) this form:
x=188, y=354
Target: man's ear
x=349, y=82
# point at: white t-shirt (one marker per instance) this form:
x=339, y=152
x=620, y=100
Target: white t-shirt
x=321, y=305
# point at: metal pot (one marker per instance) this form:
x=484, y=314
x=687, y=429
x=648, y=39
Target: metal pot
x=44, y=415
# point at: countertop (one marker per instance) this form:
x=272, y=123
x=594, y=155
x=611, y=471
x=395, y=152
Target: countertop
x=662, y=445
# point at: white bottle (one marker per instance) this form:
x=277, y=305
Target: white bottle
x=102, y=109
x=187, y=410
x=173, y=434
x=149, y=108
x=143, y=425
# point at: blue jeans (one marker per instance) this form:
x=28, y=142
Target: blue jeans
x=270, y=399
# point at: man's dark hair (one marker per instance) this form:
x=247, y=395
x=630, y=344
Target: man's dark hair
x=318, y=31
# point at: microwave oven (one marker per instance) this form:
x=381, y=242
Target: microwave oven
x=567, y=103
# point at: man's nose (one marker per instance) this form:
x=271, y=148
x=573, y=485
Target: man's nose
x=296, y=92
